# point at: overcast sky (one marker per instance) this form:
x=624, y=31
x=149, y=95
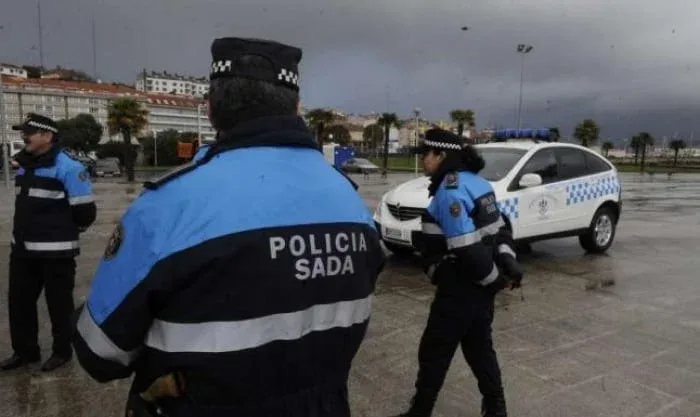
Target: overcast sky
x=630, y=64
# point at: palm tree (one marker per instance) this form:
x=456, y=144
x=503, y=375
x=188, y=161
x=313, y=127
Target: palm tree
x=587, y=132
x=644, y=140
x=125, y=116
x=318, y=120
x=676, y=145
x=387, y=120
x=606, y=148
x=636, y=144
x=462, y=117
x=373, y=134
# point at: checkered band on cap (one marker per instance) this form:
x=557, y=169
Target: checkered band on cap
x=220, y=66
x=38, y=125
x=442, y=145
x=288, y=76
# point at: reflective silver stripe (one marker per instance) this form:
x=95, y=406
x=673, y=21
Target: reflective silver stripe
x=99, y=343
x=41, y=193
x=491, y=276
x=51, y=246
x=431, y=229
x=503, y=248
x=83, y=199
x=475, y=236
x=231, y=336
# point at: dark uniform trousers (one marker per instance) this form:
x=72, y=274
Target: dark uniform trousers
x=28, y=276
x=461, y=315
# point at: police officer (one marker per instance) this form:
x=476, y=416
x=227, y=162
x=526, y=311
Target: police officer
x=247, y=275
x=465, y=244
x=54, y=203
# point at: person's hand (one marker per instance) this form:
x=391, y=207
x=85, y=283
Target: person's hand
x=14, y=164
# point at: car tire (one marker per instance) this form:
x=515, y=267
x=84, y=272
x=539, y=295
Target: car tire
x=601, y=232
x=398, y=250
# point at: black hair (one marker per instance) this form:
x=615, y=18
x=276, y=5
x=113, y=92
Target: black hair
x=465, y=159
x=233, y=100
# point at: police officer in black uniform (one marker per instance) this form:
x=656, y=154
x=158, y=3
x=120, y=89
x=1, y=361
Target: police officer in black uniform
x=469, y=256
x=239, y=284
x=54, y=203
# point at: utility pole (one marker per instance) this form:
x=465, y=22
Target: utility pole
x=416, y=113
x=523, y=49
x=41, y=38
x=199, y=128
x=3, y=136
x=94, y=51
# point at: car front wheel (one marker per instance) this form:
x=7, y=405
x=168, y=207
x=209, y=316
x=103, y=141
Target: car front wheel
x=601, y=232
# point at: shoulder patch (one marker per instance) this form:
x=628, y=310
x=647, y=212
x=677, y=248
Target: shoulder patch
x=451, y=180
x=115, y=242
x=455, y=209
x=157, y=182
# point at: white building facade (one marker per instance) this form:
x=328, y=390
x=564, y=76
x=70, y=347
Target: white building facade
x=166, y=83
x=178, y=113
x=10, y=70
x=60, y=100
x=67, y=99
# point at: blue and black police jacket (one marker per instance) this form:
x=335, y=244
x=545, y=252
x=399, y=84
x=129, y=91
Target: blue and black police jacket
x=461, y=222
x=251, y=268
x=53, y=203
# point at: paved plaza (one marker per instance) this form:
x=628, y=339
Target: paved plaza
x=568, y=347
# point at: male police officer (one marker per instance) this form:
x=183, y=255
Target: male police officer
x=469, y=256
x=246, y=275
x=54, y=203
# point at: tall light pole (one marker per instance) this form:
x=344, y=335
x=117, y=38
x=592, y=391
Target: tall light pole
x=199, y=128
x=416, y=113
x=155, y=149
x=3, y=136
x=523, y=49
x=40, y=29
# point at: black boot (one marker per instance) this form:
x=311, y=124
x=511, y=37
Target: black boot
x=55, y=362
x=494, y=407
x=419, y=408
x=16, y=362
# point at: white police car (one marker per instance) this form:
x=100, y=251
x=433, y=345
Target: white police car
x=546, y=190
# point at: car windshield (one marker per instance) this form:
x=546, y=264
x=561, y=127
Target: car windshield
x=362, y=161
x=499, y=161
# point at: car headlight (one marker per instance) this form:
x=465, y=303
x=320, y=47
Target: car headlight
x=380, y=206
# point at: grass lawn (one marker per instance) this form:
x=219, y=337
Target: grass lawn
x=658, y=168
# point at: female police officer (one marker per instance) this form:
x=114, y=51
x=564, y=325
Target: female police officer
x=463, y=231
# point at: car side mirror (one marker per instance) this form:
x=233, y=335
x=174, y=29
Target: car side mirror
x=530, y=180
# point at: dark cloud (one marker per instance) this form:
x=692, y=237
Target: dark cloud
x=629, y=64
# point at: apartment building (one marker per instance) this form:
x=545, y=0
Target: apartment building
x=168, y=83
x=10, y=70
x=184, y=114
x=66, y=99
x=60, y=100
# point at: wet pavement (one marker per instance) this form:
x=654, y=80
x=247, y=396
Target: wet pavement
x=567, y=347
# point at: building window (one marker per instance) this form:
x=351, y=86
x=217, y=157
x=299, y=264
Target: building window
x=94, y=110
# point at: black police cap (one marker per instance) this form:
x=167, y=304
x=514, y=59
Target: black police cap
x=440, y=140
x=35, y=121
x=228, y=55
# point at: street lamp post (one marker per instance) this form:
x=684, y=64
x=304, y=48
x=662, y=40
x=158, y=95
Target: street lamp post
x=416, y=112
x=3, y=136
x=523, y=49
x=199, y=127
x=155, y=149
